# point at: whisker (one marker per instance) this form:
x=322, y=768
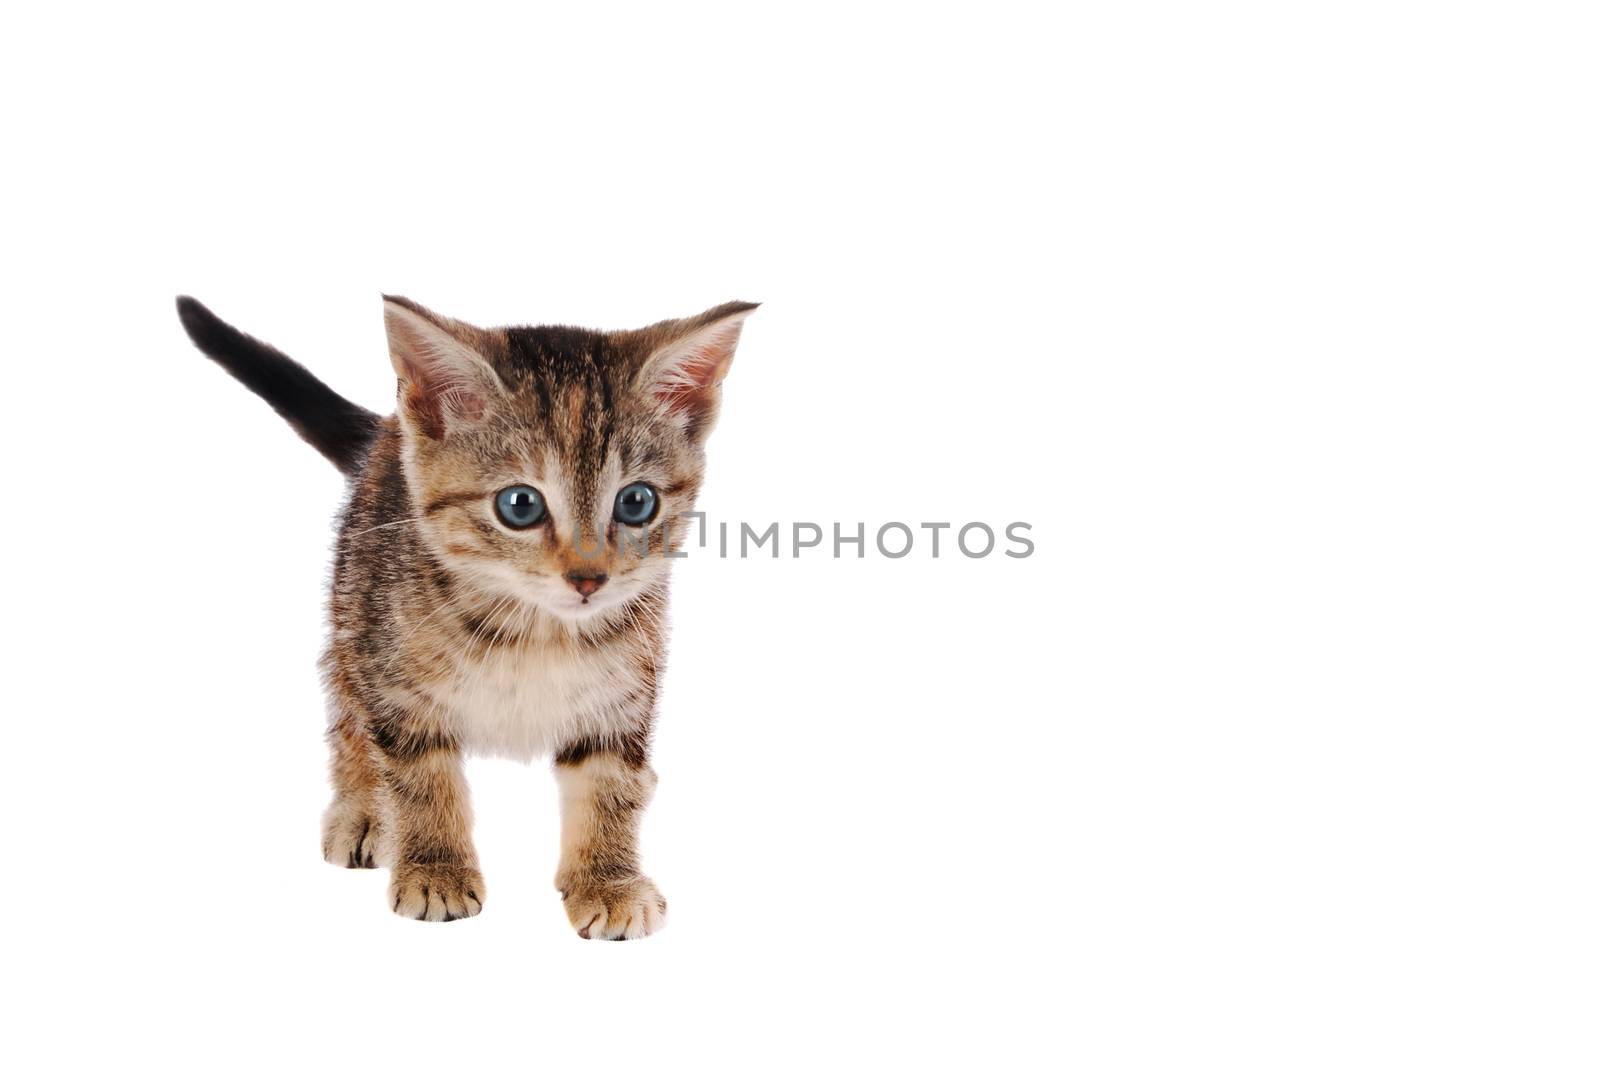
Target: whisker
x=390, y=524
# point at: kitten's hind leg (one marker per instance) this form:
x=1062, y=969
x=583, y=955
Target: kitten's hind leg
x=353, y=826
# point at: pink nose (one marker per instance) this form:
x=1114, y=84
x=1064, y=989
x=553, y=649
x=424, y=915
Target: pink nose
x=586, y=584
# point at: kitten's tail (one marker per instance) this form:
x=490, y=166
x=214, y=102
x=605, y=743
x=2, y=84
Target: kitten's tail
x=340, y=429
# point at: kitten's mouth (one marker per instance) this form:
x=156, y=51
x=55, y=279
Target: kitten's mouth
x=585, y=606
x=578, y=606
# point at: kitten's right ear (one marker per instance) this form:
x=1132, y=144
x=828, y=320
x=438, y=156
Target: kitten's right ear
x=445, y=382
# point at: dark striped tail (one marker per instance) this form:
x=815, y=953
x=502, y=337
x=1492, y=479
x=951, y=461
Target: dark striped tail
x=339, y=429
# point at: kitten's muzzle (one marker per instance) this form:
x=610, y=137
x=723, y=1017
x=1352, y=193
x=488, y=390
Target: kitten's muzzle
x=586, y=583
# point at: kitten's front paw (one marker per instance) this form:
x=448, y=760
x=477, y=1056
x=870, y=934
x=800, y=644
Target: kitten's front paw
x=614, y=911
x=437, y=892
x=351, y=836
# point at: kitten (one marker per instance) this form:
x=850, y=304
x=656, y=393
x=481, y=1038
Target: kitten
x=500, y=584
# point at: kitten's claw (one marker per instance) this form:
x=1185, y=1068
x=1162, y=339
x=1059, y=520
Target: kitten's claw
x=615, y=911
x=436, y=892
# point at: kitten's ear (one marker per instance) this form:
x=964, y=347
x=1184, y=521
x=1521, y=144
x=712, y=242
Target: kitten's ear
x=685, y=368
x=445, y=382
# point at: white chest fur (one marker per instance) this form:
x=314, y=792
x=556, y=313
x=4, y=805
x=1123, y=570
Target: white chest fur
x=523, y=702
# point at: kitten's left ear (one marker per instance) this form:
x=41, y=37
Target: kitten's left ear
x=684, y=370
x=445, y=381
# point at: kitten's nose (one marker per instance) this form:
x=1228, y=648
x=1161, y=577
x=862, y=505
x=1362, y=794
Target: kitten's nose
x=586, y=584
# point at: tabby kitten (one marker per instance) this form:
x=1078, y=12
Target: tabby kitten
x=500, y=584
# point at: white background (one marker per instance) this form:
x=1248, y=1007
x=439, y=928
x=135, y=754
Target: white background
x=1276, y=321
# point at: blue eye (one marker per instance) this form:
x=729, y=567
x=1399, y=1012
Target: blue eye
x=636, y=504
x=519, y=507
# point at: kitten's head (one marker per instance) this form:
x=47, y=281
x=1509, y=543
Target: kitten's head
x=553, y=464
